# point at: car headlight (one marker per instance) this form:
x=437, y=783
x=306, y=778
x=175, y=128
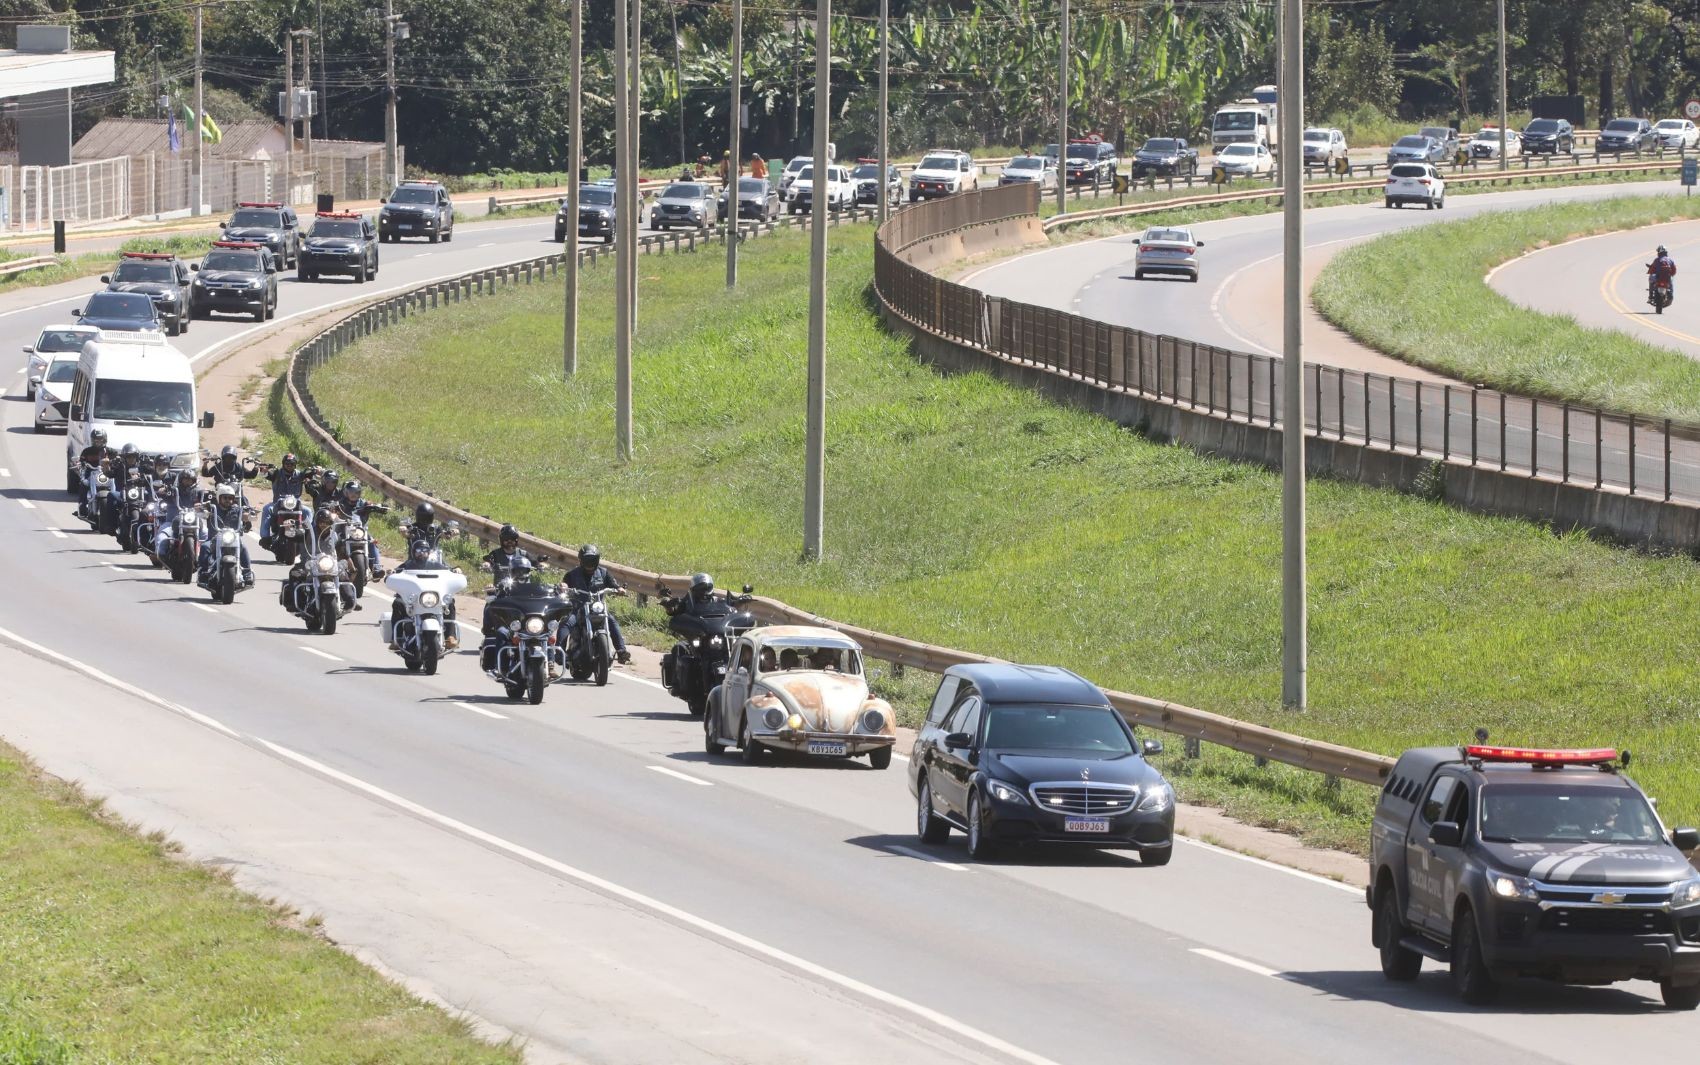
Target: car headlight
x=872, y=720
x=534, y=625
x=1514, y=887
x=1157, y=800
x=255, y=282
x=1006, y=792
x=200, y=282
x=773, y=717
x=696, y=641
x=427, y=600
x=227, y=536
x=1686, y=893
x=325, y=564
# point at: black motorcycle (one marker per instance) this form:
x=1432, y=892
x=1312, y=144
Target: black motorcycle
x=523, y=652
x=100, y=510
x=590, y=640
x=318, y=589
x=226, y=542
x=131, y=506
x=351, y=547
x=289, y=528
x=697, y=663
x=183, y=542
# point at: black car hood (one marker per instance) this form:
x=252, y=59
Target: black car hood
x=120, y=325
x=1591, y=863
x=1033, y=767
x=1156, y=157
x=151, y=288
x=231, y=275
x=253, y=234
x=332, y=244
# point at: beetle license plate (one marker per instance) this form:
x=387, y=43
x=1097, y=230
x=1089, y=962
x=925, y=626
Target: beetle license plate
x=831, y=747
x=1086, y=824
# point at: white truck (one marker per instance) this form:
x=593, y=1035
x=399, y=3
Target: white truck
x=1248, y=121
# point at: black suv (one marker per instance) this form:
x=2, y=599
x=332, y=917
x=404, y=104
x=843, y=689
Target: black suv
x=595, y=213
x=1036, y=754
x=273, y=224
x=236, y=276
x=1090, y=162
x=161, y=278
x=417, y=209
x=342, y=242
x=1626, y=135
x=1506, y=862
x=1549, y=136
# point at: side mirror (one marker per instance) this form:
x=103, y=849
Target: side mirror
x=457, y=569
x=206, y=419
x=194, y=266
x=35, y=380
x=106, y=279
x=224, y=225
x=1445, y=834
x=29, y=349
x=1685, y=839
x=1198, y=243
x=956, y=741
x=383, y=199
x=1152, y=748
x=749, y=589
x=78, y=312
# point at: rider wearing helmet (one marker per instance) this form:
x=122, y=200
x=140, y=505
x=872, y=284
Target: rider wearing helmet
x=423, y=535
x=227, y=513
x=360, y=510
x=590, y=575
x=287, y=480
x=1662, y=268
x=180, y=493
x=89, y=462
x=509, y=554
x=693, y=602
x=228, y=468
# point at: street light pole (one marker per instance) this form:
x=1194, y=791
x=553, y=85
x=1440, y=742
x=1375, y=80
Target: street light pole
x=390, y=150
x=1503, y=162
x=820, y=208
x=733, y=168
x=200, y=126
x=575, y=159
x=1062, y=117
x=885, y=110
x=1291, y=95
x=624, y=241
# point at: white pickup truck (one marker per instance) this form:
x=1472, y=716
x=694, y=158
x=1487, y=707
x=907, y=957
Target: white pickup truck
x=840, y=191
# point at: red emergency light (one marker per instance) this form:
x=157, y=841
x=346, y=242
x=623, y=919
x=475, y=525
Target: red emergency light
x=1588, y=756
x=146, y=255
x=271, y=205
x=337, y=214
x=236, y=244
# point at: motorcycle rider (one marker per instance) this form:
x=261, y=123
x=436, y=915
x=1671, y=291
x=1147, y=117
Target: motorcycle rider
x=286, y=480
x=1662, y=268
x=357, y=509
x=423, y=534
x=228, y=468
x=509, y=554
x=694, y=601
x=176, y=498
x=228, y=514
x=89, y=463
x=522, y=573
x=592, y=576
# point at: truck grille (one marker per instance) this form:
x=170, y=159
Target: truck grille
x=1630, y=922
x=1094, y=800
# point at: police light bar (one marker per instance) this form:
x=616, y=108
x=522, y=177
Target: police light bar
x=1590, y=756
x=236, y=244
x=424, y=183
x=259, y=205
x=145, y=255
x=337, y=214
x=874, y=161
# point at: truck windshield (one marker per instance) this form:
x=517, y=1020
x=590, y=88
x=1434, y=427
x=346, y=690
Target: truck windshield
x=1236, y=120
x=144, y=401
x=1516, y=814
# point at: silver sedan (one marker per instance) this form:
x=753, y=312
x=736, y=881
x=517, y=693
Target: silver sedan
x=1167, y=250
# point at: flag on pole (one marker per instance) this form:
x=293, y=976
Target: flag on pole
x=172, y=137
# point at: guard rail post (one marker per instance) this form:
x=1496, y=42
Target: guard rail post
x=1564, y=434
x=1632, y=454
x=1667, y=460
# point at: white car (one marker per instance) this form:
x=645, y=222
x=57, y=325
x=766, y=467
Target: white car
x=1415, y=183
x=792, y=169
x=1030, y=170
x=55, y=338
x=1677, y=133
x=840, y=190
x=1485, y=144
x=1245, y=160
x=1323, y=146
x=52, y=390
x=943, y=172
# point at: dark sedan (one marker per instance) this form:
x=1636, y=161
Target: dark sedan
x=1549, y=136
x=120, y=311
x=1013, y=754
x=757, y=198
x=1626, y=135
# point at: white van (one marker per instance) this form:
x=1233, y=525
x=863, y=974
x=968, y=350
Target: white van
x=141, y=390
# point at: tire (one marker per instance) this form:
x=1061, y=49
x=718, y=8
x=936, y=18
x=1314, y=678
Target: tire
x=601, y=673
x=748, y=746
x=980, y=848
x=1442, y=204
x=435, y=237
x=929, y=827
x=536, y=679
x=1387, y=205
x=226, y=585
x=448, y=234
x=710, y=743
x=358, y=565
x=430, y=653
x=1470, y=975
x=1398, y=963
x=285, y=552
x=1430, y=204
x=1679, y=998
x=1157, y=857
x=515, y=691
x=411, y=663
x=697, y=706
x=880, y=758
x=271, y=307
x=327, y=621
x=1139, y=275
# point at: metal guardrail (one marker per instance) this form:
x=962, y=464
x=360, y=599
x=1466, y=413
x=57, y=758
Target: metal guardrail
x=1193, y=724
x=19, y=266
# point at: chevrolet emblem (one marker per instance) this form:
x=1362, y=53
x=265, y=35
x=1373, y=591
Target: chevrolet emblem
x=1610, y=898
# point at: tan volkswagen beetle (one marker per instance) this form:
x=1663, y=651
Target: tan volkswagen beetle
x=798, y=688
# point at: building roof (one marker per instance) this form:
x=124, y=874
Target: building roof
x=29, y=72
x=112, y=137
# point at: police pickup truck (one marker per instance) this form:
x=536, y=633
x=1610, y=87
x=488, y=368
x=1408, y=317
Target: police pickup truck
x=1504, y=862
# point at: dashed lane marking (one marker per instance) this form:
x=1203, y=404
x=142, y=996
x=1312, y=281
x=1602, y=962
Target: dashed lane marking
x=923, y=856
x=327, y=656
x=1238, y=963
x=676, y=775
x=481, y=710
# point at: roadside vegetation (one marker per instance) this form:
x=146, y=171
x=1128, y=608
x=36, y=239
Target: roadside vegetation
x=95, y=263
x=1367, y=291
x=969, y=513
x=113, y=949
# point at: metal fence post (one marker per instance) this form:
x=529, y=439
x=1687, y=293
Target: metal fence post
x=1419, y=417
x=1392, y=416
x=1632, y=454
x=1564, y=434
x=1446, y=423
x=1502, y=432
x=1599, y=450
x=1667, y=460
x=1534, y=437
x=1340, y=402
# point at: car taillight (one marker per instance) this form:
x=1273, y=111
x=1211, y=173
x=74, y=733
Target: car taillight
x=1190, y=251
x=1391, y=180
x=1422, y=181
x=1145, y=247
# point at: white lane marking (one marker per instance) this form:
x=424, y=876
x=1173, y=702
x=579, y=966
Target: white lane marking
x=113, y=682
x=1238, y=963
x=26, y=504
x=1227, y=283
x=1276, y=866
x=676, y=775
x=923, y=856
x=640, y=680
x=4, y=472
x=203, y=606
x=736, y=940
x=2, y=392
x=110, y=565
x=322, y=654
x=56, y=533
x=481, y=710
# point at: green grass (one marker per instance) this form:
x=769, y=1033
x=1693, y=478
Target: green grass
x=969, y=513
x=111, y=949
x=1367, y=127
x=93, y=264
x=1486, y=338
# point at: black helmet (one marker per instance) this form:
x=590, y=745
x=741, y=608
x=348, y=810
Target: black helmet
x=228, y=454
x=421, y=550
x=521, y=569
x=97, y=438
x=1662, y=250
x=702, y=585
x=186, y=478
x=289, y=458
x=508, y=533
x=162, y=462
x=589, y=556
x=129, y=453
x=424, y=514
x=351, y=490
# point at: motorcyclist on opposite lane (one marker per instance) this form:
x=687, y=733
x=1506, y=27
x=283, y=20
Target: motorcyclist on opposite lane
x=1662, y=268
x=287, y=480
x=590, y=575
x=694, y=601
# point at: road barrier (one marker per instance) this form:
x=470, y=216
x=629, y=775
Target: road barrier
x=19, y=266
x=1196, y=726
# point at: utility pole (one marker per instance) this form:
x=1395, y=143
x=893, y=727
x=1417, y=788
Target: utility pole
x=200, y=183
x=735, y=168
x=885, y=109
x=1291, y=93
x=678, y=78
x=814, y=473
x=1503, y=162
x=575, y=159
x=1062, y=115
x=288, y=117
x=324, y=97
x=307, y=80
x=625, y=238
x=391, y=177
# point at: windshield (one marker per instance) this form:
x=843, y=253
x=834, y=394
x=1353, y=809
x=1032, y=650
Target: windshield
x=414, y=196
x=62, y=370
x=1176, y=235
x=1623, y=125
x=146, y=401
x=62, y=340
x=118, y=305
x=1521, y=814
x=1095, y=729
x=866, y=170
x=1489, y=135
x=1161, y=144
x=596, y=197
x=938, y=162
x=1026, y=162
x=1411, y=142
x=797, y=164
x=752, y=184
x=1542, y=125
x=1438, y=133
x=784, y=658
x=1669, y=123
x=246, y=261
x=337, y=227
x=1239, y=149
x=140, y=270
x=257, y=219
x=1083, y=151
x=1408, y=170
x=684, y=192
x=1316, y=135
x=1233, y=120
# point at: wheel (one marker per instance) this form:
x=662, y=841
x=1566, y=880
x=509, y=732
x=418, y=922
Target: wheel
x=227, y=585
x=536, y=679
x=1387, y=204
x=271, y=307
x=697, y=706
x=1679, y=998
x=748, y=746
x=435, y=238
x=1658, y=308
x=359, y=567
x=284, y=551
x=928, y=825
x=72, y=485
x=411, y=663
x=1442, y=204
x=979, y=847
x=880, y=758
x=515, y=691
x=710, y=732
x=602, y=673
x=1157, y=857
x=448, y=234
x=37, y=427
x=429, y=653
x=1397, y=962
x=1469, y=968
x=327, y=621
x=1430, y=203
x=1139, y=275
x=260, y=313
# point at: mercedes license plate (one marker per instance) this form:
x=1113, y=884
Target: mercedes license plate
x=831, y=747
x=1086, y=824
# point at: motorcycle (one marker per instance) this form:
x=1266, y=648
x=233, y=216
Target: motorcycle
x=524, y=653
x=1658, y=292
x=183, y=543
x=226, y=540
x=317, y=589
x=351, y=547
x=426, y=587
x=129, y=509
x=697, y=663
x=289, y=527
x=590, y=642
x=146, y=528
x=100, y=512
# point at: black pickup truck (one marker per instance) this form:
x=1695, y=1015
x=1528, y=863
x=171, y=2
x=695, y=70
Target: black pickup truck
x=1504, y=862
x=1165, y=155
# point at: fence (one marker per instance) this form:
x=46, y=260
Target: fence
x=37, y=196
x=1477, y=427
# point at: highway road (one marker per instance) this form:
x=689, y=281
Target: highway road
x=581, y=874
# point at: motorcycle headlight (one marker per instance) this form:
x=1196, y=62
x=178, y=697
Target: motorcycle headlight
x=1686, y=893
x=133, y=493
x=427, y=600
x=1514, y=887
x=534, y=625
x=1006, y=793
x=326, y=564
x=696, y=641
x=227, y=536
x=598, y=608
x=1157, y=800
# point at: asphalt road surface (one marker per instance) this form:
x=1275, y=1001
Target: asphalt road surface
x=581, y=874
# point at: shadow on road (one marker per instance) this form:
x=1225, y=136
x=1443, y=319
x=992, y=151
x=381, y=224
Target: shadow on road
x=1432, y=993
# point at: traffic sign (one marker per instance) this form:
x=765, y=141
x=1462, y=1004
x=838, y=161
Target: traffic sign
x=1692, y=110
x=1690, y=171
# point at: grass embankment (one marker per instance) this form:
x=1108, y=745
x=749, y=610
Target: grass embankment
x=91, y=264
x=973, y=514
x=113, y=950
x=1483, y=336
